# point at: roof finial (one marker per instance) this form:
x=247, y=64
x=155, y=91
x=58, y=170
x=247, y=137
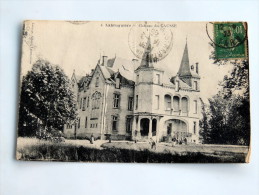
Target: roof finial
x=186, y=38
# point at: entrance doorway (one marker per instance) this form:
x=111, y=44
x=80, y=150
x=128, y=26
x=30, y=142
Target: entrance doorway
x=176, y=128
x=169, y=129
x=154, y=123
x=144, y=126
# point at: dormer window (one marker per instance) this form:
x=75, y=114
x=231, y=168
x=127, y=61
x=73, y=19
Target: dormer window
x=117, y=83
x=137, y=80
x=176, y=85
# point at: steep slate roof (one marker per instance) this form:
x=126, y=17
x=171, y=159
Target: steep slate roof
x=125, y=67
x=184, y=69
x=146, y=60
x=184, y=85
x=107, y=72
x=119, y=67
x=85, y=79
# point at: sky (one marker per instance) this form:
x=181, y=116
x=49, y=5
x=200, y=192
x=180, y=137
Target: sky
x=78, y=46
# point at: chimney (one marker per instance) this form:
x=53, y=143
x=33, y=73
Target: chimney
x=105, y=58
x=197, y=67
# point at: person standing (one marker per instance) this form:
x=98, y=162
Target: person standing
x=92, y=139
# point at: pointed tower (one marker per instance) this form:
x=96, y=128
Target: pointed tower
x=146, y=60
x=184, y=69
x=148, y=79
x=187, y=73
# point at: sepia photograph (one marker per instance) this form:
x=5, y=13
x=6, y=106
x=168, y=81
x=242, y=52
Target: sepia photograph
x=134, y=92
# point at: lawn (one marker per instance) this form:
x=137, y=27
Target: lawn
x=125, y=151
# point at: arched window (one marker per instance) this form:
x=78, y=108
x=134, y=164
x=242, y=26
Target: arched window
x=84, y=104
x=184, y=104
x=176, y=103
x=167, y=102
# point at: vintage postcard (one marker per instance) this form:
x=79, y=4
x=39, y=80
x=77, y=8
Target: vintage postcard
x=144, y=92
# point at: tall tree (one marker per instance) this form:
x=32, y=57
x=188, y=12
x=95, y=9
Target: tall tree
x=228, y=116
x=46, y=99
x=204, y=124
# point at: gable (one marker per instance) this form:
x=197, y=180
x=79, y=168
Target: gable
x=97, y=75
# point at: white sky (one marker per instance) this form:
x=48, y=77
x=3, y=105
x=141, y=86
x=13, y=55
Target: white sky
x=78, y=46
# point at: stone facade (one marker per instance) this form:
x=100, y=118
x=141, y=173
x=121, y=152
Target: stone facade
x=135, y=100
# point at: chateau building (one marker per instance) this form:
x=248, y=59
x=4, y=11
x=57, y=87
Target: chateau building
x=131, y=99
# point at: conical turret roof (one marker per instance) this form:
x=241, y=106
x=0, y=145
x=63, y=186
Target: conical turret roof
x=184, y=69
x=146, y=60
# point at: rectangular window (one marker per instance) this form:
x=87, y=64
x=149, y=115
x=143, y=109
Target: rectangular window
x=114, y=123
x=195, y=106
x=78, y=123
x=97, y=82
x=157, y=102
x=85, y=122
x=116, y=100
x=157, y=79
x=87, y=105
x=136, y=102
x=194, y=127
x=130, y=103
x=81, y=101
x=196, y=85
x=117, y=84
x=128, y=124
x=84, y=104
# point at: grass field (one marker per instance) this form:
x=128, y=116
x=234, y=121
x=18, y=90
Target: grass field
x=125, y=151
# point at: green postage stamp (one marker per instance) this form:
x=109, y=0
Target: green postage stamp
x=230, y=40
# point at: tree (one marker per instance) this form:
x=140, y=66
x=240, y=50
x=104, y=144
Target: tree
x=227, y=120
x=46, y=99
x=204, y=124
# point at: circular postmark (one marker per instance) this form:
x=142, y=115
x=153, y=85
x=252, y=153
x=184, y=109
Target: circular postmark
x=143, y=35
x=229, y=39
x=227, y=34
